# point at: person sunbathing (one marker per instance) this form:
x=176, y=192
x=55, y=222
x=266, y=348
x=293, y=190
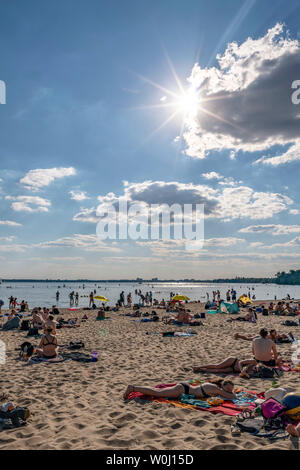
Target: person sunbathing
x=48, y=347
x=273, y=335
x=220, y=387
x=264, y=350
x=229, y=365
x=292, y=430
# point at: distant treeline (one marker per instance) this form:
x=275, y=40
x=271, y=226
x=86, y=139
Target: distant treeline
x=290, y=278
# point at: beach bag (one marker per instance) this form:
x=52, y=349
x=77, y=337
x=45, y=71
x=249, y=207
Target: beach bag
x=25, y=325
x=272, y=408
x=265, y=372
x=27, y=349
x=202, y=315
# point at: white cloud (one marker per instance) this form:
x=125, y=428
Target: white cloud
x=294, y=211
x=29, y=203
x=10, y=223
x=273, y=229
x=7, y=239
x=78, y=195
x=80, y=241
x=212, y=175
x=39, y=178
x=13, y=248
x=223, y=203
x=291, y=155
x=245, y=102
x=86, y=215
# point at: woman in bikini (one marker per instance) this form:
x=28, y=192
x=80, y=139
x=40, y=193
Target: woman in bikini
x=229, y=365
x=48, y=347
x=220, y=387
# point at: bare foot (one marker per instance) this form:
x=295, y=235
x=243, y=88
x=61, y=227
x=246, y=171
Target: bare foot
x=198, y=369
x=129, y=390
x=292, y=430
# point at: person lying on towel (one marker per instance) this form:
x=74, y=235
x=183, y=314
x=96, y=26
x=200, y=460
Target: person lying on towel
x=218, y=387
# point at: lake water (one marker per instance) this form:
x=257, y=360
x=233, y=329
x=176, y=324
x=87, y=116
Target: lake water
x=43, y=293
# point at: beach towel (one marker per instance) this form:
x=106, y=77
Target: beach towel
x=39, y=360
x=289, y=367
x=11, y=324
x=229, y=408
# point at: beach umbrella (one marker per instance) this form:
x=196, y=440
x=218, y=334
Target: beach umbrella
x=100, y=297
x=180, y=297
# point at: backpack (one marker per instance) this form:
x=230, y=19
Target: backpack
x=33, y=332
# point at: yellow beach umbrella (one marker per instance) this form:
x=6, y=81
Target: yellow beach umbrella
x=100, y=297
x=180, y=297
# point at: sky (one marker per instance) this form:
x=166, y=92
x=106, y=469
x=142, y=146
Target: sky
x=152, y=102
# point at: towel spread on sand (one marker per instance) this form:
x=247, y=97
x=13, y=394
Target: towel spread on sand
x=289, y=367
x=38, y=360
x=230, y=408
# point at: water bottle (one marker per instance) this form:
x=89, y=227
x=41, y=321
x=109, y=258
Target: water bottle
x=94, y=356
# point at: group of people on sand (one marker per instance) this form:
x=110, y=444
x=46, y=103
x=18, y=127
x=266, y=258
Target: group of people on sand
x=13, y=304
x=264, y=352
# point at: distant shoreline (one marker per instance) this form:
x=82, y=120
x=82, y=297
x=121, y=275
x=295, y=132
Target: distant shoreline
x=152, y=281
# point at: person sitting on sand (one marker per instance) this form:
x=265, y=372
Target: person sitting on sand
x=183, y=317
x=37, y=320
x=292, y=430
x=220, y=387
x=229, y=365
x=45, y=314
x=11, y=315
x=51, y=323
x=48, y=347
x=264, y=350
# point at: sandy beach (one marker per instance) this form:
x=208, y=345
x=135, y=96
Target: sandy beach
x=80, y=406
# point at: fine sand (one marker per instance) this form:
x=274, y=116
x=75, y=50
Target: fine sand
x=80, y=406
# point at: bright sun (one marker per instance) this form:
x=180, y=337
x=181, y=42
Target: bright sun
x=188, y=103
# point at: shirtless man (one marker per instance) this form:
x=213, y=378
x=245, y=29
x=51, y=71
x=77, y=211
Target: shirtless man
x=264, y=350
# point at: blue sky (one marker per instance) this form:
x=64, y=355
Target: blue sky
x=82, y=115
